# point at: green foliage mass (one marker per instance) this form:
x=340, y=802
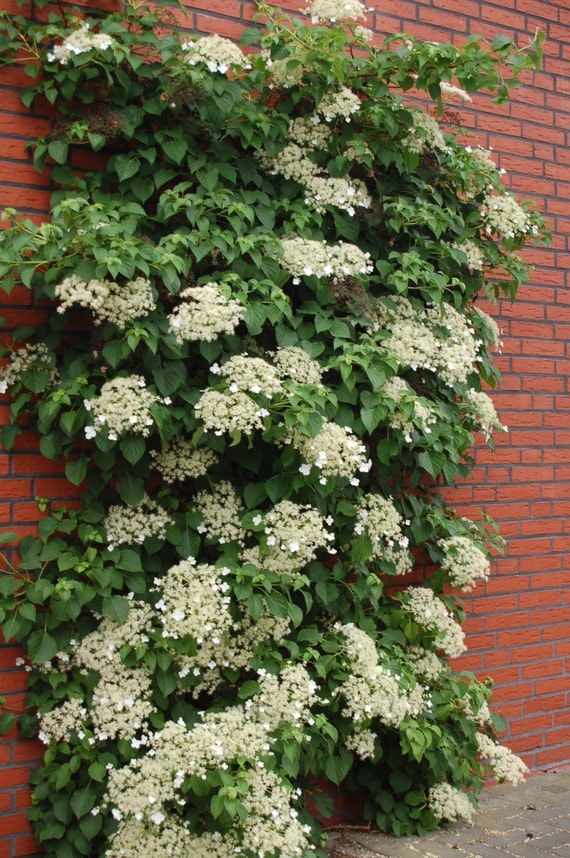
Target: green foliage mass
x=206, y=345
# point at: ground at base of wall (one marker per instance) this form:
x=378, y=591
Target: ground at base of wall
x=530, y=820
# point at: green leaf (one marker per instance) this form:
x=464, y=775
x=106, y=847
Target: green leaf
x=250, y=36
x=41, y=647
x=49, y=831
x=254, y=494
x=431, y=461
x=324, y=804
x=277, y=604
x=57, y=150
x=36, y=380
x=28, y=611
x=9, y=435
x=50, y=446
x=501, y=42
x=91, y=825
x=7, y=721
x=82, y=801
x=116, y=607
x=248, y=689
x=337, y=767
x=166, y=681
x=131, y=489
x=175, y=149
x=8, y=585
x=132, y=448
x=129, y=560
x=76, y=470
x=126, y=167
x=255, y=605
x=278, y=487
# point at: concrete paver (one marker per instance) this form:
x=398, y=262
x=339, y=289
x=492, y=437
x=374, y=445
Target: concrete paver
x=530, y=820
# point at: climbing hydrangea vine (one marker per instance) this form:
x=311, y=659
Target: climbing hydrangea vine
x=263, y=365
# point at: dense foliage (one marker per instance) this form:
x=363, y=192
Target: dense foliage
x=264, y=362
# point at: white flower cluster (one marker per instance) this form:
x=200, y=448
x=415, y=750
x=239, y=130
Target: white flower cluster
x=409, y=411
x=451, y=93
x=133, y=524
x=334, y=451
x=341, y=103
x=293, y=362
x=234, y=410
x=426, y=664
x=365, y=35
x=107, y=300
x=321, y=189
x=459, y=350
x=482, y=409
x=271, y=826
x=122, y=699
x=483, y=172
x=449, y=803
x=252, y=374
x=220, y=510
x=230, y=412
x=26, y=357
x=286, y=697
x=506, y=765
x=464, y=562
x=430, y=613
x=163, y=840
x=121, y=702
x=505, y=216
x=79, y=42
x=336, y=10
x=378, y=517
x=288, y=71
x=194, y=603
x=492, y=329
x=59, y=724
x=217, y=54
x=179, y=459
x=474, y=254
x=482, y=717
x=363, y=744
x=123, y=405
x=293, y=533
x=424, y=133
x=303, y=257
x=372, y=690
x=439, y=339
x=308, y=131
x=234, y=651
x=205, y=315
x=144, y=792
x=484, y=159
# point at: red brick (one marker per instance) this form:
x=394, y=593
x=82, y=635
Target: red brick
x=25, y=846
x=15, y=823
x=545, y=703
x=551, y=757
x=13, y=777
x=25, y=752
x=551, y=685
x=536, y=724
x=506, y=621
x=551, y=668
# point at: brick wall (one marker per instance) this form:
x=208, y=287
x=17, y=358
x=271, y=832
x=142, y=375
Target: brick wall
x=519, y=622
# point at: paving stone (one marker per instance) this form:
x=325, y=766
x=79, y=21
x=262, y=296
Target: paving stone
x=531, y=820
